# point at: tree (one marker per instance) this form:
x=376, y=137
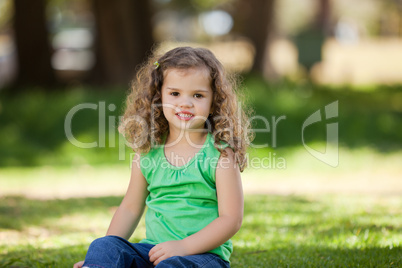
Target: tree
x=254, y=20
x=123, y=39
x=32, y=44
x=323, y=17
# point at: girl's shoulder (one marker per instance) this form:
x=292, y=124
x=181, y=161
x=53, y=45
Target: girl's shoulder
x=152, y=153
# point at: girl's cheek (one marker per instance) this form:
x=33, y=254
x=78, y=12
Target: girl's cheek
x=167, y=99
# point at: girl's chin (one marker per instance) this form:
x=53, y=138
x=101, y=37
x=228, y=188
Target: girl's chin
x=189, y=125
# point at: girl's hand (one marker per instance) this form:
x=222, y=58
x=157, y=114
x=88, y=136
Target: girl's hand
x=166, y=250
x=78, y=264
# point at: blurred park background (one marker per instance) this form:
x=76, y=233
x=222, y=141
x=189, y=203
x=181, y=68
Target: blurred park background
x=294, y=58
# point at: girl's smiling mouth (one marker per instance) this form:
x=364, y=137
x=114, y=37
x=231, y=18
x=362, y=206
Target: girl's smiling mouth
x=184, y=115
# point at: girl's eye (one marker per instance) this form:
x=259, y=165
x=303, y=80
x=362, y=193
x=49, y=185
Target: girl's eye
x=174, y=94
x=198, y=96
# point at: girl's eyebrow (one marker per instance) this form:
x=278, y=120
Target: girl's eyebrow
x=195, y=90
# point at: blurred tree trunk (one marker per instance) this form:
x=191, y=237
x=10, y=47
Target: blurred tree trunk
x=32, y=44
x=123, y=39
x=254, y=20
x=323, y=17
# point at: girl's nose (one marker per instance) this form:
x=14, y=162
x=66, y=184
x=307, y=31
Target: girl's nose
x=185, y=102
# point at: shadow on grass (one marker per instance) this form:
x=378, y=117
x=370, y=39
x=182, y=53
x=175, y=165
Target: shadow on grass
x=277, y=231
x=36, y=257
x=318, y=216
x=17, y=212
x=289, y=256
x=312, y=256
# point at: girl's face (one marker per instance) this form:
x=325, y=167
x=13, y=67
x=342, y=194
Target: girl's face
x=186, y=98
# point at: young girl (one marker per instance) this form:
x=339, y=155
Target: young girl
x=190, y=137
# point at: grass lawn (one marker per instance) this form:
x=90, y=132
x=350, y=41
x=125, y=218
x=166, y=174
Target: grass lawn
x=278, y=231
x=49, y=215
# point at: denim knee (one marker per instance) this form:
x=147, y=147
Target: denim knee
x=104, y=243
x=108, y=251
x=108, y=247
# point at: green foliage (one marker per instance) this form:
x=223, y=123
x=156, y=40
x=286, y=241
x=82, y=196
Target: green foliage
x=209, y=4
x=367, y=118
x=6, y=11
x=193, y=5
x=32, y=125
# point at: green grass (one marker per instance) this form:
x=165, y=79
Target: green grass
x=277, y=231
x=320, y=231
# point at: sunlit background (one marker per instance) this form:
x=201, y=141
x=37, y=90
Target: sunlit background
x=360, y=41
x=294, y=58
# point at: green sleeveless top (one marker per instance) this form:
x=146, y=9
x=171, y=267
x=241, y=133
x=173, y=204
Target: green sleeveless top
x=182, y=200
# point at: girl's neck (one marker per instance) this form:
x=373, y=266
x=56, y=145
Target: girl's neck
x=186, y=138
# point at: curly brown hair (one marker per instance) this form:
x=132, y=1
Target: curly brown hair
x=228, y=122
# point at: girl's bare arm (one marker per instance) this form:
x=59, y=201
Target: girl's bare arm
x=129, y=213
x=230, y=203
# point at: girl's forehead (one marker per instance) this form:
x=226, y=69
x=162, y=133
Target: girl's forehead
x=185, y=71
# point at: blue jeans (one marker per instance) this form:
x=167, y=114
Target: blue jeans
x=114, y=251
